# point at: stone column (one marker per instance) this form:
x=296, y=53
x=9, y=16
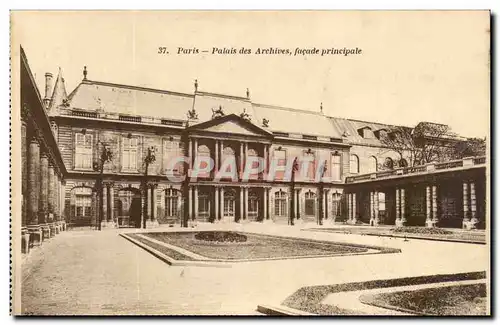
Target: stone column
x=241, y=159
x=354, y=217
x=375, y=209
x=242, y=189
x=111, y=200
x=398, y=216
x=195, y=214
x=190, y=154
x=349, y=212
x=325, y=205
x=265, y=161
x=195, y=149
x=24, y=176
x=466, y=201
x=473, y=206
x=51, y=199
x=190, y=203
x=56, y=200
x=372, y=209
x=216, y=157
x=222, y=203
x=434, y=206
x=33, y=193
x=43, y=199
x=264, y=207
x=402, y=205
x=104, y=198
x=297, y=201
x=62, y=215
x=216, y=203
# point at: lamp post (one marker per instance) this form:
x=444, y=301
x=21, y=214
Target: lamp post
x=105, y=156
x=295, y=168
x=321, y=194
x=148, y=160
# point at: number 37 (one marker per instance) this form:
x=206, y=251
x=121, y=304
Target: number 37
x=162, y=50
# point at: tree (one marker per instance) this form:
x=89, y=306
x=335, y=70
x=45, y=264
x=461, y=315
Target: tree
x=427, y=142
x=472, y=147
x=105, y=156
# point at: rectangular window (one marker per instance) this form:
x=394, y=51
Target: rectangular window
x=83, y=205
x=83, y=151
x=336, y=168
x=129, y=154
x=309, y=159
x=280, y=162
x=172, y=151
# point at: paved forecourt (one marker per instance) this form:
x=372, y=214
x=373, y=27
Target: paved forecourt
x=90, y=272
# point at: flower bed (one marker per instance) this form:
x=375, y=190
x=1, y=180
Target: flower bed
x=443, y=301
x=422, y=231
x=309, y=298
x=221, y=237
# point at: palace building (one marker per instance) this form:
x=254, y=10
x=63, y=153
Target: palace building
x=115, y=144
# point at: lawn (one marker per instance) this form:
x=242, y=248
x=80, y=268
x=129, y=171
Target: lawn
x=463, y=300
x=475, y=236
x=309, y=298
x=256, y=247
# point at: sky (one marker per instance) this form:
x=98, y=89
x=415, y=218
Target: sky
x=415, y=66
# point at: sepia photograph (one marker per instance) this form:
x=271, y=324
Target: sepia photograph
x=257, y=163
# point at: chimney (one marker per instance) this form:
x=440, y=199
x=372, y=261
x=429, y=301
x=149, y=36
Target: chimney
x=48, y=88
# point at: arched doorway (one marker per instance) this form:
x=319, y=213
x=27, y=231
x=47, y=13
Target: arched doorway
x=253, y=205
x=229, y=204
x=172, y=205
x=128, y=207
x=83, y=209
x=310, y=206
x=280, y=205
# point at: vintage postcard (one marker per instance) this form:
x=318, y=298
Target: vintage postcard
x=250, y=163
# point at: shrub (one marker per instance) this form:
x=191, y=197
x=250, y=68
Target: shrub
x=422, y=230
x=221, y=236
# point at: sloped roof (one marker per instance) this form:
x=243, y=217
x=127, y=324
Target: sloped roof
x=349, y=129
x=121, y=99
x=296, y=121
x=59, y=94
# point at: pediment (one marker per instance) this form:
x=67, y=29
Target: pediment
x=231, y=124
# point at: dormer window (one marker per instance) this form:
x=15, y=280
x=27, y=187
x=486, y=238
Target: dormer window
x=381, y=133
x=366, y=132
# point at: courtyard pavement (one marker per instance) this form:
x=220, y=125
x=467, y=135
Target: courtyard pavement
x=90, y=272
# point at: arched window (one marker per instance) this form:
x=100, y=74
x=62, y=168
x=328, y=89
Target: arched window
x=372, y=167
x=280, y=205
x=228, y=160
x=171, y=202
x=204, y=155
x=252, y=156
x=310, y=203
x=403, y=163
x=389, y=163
x=354, y=164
